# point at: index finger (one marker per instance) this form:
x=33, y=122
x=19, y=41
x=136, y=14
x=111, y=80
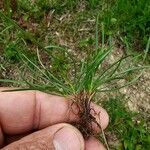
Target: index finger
x=24, y=111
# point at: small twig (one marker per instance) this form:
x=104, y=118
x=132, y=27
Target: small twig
x=38, y=55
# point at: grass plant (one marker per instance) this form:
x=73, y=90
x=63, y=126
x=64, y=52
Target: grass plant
x=83, y=80
x=67, y=74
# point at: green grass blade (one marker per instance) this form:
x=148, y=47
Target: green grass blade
x=106, y=71
x=147, y=49
x=133, y=69
x=12, y=81
x=97, y=31
x=92, y=69
x=50, y=77
x=103, y=35
x=127, y=84
x=24, y=56
x=20, y=89
x=117, y=76
x=7, y=28
x=70, y=56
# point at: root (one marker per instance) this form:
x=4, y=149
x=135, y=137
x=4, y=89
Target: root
x=83, y=101
x=86, y=119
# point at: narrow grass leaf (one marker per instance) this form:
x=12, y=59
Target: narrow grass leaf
x=147, y=49
x=70, y=56
x=12, y=81
x=125, y=85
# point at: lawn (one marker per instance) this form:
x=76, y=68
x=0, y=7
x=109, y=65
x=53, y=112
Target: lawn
x=83, y=45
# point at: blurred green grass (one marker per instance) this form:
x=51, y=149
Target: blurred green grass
x=127, y=21
x=130, y=128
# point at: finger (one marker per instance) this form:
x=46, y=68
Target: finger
x=26, y=110
x=94, y=144
x=101, y=116
x=60, y=136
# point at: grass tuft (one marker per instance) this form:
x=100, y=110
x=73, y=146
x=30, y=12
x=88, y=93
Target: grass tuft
x=44, y=36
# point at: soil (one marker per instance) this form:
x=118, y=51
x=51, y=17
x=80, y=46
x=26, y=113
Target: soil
x=137, y=95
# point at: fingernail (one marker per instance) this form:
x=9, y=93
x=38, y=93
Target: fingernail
x=66, y=139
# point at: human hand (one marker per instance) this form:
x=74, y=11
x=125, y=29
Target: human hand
x=38, y=121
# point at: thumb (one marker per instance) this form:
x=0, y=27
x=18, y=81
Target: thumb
x=56, y=137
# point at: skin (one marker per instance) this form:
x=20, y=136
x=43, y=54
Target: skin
x=36, y=120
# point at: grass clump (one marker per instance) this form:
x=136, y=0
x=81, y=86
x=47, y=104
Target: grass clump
x=82, y=79
x=58, y=71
